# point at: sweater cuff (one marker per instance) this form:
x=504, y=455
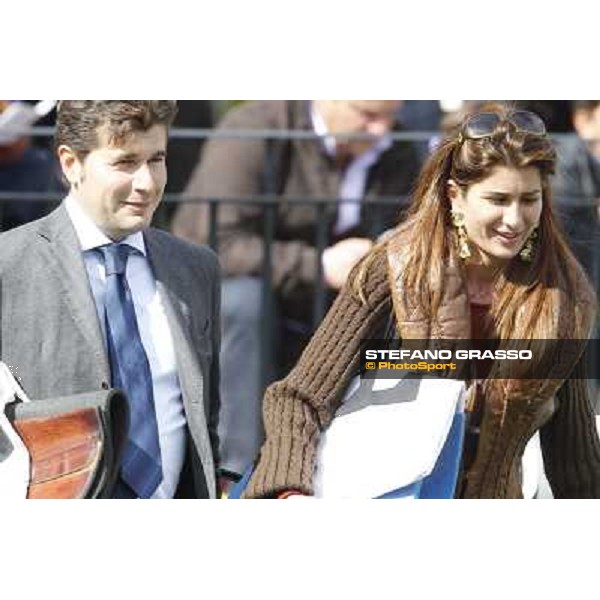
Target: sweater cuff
x=287, y=460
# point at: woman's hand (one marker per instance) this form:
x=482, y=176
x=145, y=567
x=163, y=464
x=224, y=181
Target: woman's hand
x=293, y=495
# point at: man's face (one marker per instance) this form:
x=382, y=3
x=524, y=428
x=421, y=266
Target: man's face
x=587, y=125
x=120, y=185
x=372, y=117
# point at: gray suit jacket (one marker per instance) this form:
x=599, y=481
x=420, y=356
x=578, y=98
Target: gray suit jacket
x=51, y=337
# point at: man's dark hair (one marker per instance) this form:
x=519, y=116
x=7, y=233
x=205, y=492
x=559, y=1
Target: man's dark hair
x=77, y=121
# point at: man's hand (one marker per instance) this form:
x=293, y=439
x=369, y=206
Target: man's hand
x=339, y=259
x=224, y=485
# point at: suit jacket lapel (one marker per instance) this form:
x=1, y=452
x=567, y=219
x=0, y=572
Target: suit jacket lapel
x=72, y=279
x=178, y=312
x=172, y=291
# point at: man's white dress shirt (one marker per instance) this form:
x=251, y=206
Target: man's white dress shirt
x=154, y=332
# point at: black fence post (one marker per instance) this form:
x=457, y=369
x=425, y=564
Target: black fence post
x=320, y=297
x=212, y=223
x=268, y=300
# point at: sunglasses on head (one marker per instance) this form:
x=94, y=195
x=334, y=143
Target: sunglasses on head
x=482, y=125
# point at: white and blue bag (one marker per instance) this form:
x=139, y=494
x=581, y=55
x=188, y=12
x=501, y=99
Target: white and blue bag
x=14, y=456
x=394, y=438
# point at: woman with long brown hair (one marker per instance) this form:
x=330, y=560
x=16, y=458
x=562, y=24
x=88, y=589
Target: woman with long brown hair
x=479, y=256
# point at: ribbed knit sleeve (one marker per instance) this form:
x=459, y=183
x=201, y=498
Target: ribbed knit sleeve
x=296, y=409
x=570, y=442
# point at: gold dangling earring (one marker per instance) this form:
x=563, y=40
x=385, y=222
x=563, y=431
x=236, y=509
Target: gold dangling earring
x=458, y=220
x=528, y=249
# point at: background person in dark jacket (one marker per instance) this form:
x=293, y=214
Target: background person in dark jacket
x=301, y=171
x=25, y=168
x=577, y=201
x=577, y=186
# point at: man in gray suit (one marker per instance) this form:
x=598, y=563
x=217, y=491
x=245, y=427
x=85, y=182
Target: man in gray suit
x=92, y=297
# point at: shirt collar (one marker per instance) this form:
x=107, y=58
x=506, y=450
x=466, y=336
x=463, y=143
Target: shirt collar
x=320, y=129
x=90, y=235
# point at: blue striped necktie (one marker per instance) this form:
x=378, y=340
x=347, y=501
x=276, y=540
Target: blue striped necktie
x=141, y=467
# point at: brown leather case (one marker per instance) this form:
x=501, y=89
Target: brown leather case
x=74, y=443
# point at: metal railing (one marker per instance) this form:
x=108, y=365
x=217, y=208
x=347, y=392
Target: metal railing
x=269, y=202
x=320, y=241
x=191, y=133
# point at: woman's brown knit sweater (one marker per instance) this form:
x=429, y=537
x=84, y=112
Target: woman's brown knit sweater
x=300, y=406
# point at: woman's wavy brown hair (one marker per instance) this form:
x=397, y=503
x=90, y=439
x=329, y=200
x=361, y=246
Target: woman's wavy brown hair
x=529, y=296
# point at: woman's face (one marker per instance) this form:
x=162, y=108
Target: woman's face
x=500, y=212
